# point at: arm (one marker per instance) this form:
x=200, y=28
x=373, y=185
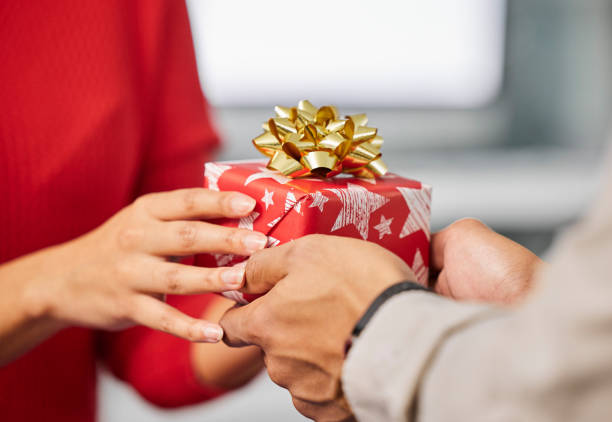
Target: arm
x=110, y=278
x=24, y=313
x=549, y=359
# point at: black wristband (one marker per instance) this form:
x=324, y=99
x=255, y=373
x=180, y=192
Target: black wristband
x=389, y=292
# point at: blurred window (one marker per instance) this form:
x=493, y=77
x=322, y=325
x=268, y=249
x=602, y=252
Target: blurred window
x=411, y=53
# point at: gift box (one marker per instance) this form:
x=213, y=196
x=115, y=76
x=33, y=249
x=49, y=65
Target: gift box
x=294, y=200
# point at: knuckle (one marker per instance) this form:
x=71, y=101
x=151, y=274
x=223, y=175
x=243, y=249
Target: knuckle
x=166, y=323
x=123, y=308
x=130, y=237
x=224, y=201
x=301, y=406
x=310, y=240
x=172, y=280
x=254, y=269
x=467, y=224
x=305, y=248
x=233, y=240
x=275, y=373
x=192, y=332
x=212, y=277
x=187, y=234
x=122, y=270
x=141, y=203
x=189, y=200
x=256, y=325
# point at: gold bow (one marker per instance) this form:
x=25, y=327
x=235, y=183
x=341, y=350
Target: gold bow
x=306, y=141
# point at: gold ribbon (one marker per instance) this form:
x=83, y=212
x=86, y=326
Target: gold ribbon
x=307, y=141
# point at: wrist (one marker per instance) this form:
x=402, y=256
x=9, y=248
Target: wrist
x=36, y=302
x=38, y=294
x=380, y=300
x=24, y=309
x=372, y=287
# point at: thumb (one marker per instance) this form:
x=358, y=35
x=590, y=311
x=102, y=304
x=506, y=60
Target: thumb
x=239, y=326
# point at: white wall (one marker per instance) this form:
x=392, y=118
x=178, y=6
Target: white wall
x=436, y=53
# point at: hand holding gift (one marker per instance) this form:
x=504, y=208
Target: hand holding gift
x=113, y=277
x=361, y=200
x=311, y=304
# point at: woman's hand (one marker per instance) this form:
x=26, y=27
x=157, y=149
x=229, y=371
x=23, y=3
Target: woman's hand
x=469, y=261
x=116, y=276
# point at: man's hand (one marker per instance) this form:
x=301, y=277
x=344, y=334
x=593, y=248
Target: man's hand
x=469, y=261
x=322, y=286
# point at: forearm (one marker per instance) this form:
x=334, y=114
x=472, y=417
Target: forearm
x=24, y=307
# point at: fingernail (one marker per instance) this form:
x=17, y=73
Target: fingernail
x=254, y=242
x=233, y=278
x=212, y=333
x=242, y=204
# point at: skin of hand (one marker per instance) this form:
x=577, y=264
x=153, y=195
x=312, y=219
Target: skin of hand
x=322, y=286
x=231, y=367
x=469, y=261
x=114, y=276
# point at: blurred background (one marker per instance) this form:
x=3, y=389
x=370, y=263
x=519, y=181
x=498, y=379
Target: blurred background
x=502, y=106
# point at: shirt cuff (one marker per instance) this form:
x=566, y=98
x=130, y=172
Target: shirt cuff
x=385, y=365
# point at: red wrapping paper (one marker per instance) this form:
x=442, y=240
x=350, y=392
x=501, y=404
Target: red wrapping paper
x=391, y=211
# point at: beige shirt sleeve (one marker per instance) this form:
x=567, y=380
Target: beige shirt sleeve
x=425, y=358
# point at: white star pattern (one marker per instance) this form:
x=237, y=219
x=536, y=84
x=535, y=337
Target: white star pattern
x=318, y=200
x=272, y=242
x=292, y=202
x=418, y=200
x=212, y=172
x=358, y=204
x=223, y=259
x=264, y=173
x=419, y=268
x=267, y=198
x=384, y=227
x=247, y=222
x=274, y=222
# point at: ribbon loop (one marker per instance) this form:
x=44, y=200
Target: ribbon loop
x=304, y=141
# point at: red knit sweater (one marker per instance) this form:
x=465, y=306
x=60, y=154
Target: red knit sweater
x=99, y=103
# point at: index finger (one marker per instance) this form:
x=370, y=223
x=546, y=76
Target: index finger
x=197, y=203
x=265, y=268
